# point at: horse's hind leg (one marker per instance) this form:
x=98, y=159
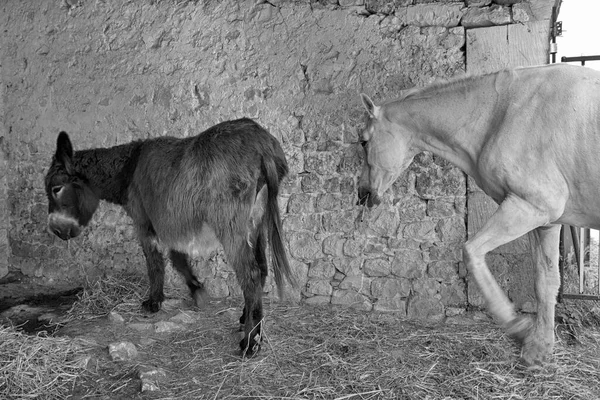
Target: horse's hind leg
x=156, y=274
x=181, y=263
x=544, y=247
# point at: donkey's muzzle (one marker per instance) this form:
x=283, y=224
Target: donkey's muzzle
x=368, y=198
x=62, y=227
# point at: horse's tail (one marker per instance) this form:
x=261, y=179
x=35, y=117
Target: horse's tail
x=274, y=170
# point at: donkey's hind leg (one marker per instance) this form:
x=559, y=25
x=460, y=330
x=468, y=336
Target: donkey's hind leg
x=182, y=264
x=261, y=260
x=156, y=274
x=242, y=257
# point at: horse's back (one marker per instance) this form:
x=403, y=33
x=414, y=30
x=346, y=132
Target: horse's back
x=549, y=138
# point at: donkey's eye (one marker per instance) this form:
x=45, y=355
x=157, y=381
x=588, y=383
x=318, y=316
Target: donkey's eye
x=56, y=190
x=363, y=143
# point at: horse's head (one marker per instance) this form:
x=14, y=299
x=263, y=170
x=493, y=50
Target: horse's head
x=71, y=200
x=388, y=152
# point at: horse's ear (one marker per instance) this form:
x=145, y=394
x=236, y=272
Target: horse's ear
x=64, y=150
x=369, y=105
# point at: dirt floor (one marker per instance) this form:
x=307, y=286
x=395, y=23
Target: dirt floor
x=308, y=353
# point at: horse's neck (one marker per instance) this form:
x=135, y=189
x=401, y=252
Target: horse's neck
x=109, y=170
x=451, y=121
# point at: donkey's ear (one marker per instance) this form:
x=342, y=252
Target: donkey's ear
x=369, y=105
x=64, y=150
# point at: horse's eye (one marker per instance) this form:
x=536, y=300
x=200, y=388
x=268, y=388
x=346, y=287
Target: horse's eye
x=363, y=143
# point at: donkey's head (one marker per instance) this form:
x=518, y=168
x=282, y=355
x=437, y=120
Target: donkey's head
x=71, y=199
x=388, y=151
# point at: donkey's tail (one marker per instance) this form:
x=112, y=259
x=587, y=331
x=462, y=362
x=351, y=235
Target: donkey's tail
x=281, y=267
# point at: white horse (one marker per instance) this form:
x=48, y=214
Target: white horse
x=530, y=137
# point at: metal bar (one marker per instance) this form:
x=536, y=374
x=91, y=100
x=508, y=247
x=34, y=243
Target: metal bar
x=582, y=59
x=581, y=296
x=561, y=263
x=575, y=241
x=581, y=258
x=598, y=265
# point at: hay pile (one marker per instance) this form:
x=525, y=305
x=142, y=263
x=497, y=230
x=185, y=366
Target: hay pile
x=122, y=293
x=311, y=353
x=335, y=353
x=39, y=367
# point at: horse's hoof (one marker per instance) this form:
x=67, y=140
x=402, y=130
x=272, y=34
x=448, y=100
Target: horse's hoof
x=201, y=298
x=530, y=365
x=535, y=352
x=151, y=305
x=519, y=328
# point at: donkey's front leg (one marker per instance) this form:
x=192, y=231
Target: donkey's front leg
x=156, y=274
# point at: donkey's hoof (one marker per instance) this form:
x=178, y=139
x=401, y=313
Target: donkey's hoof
x=250, y=347
x=151, y=305
x=519, y=328
x=201, y=298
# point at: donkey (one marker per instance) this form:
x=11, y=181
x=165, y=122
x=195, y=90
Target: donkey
x=530, y=137
x=184, y=196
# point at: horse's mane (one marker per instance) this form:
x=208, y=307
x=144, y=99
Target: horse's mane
x=439, y=85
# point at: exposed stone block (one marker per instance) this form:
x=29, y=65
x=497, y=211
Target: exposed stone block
x=522, y=13
x=409, y=264
x=446, y=15
x=476, y=17
x=319, y=287
x=321, y=269
x=359, y=283
x=444, y=271
x=377, y=267
x=425, y=307
x=317, y=300
x=352, y=299
x=382, y=289
x=386, y=6
x=348, y=266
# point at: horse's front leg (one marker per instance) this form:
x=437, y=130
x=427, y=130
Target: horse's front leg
x=513, y=218
x=544, y=247
x=156, y=274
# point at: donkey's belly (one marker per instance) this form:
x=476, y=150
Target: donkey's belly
x=197, y=244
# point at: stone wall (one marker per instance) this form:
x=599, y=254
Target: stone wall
x=112, y=71
x=4, y=214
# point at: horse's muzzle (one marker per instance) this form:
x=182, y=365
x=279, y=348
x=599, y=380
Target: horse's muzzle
x=368, y=198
